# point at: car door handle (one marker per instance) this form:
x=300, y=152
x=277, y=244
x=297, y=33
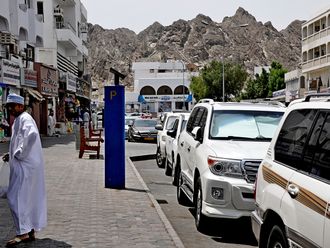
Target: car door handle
x=293, y=190
x=182, y=143
x=189, y=148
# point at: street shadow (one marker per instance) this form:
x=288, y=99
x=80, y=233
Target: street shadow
x=42, y=243
x=137, y=190
x=62, y=140
x=236, y=231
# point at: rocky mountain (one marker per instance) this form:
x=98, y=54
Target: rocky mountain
x=239, y=38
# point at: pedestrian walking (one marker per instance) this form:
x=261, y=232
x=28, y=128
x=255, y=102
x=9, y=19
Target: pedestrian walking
x=94, y=119
x=86, y=117
x=51, y=123
x=26, y=191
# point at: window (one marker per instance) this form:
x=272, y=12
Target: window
x=293, y=135
x=191, y=120
x=195, y=119
x=317, y=155
x=170, y=122
x=249, y=125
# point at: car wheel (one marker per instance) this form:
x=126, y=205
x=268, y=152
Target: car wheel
x=180, y=195
x=176, y=173
x=276, y=238
x=168, y=169
x=200, y=218
x=160, y=161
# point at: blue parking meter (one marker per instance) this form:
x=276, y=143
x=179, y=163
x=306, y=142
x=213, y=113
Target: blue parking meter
x=114, y=126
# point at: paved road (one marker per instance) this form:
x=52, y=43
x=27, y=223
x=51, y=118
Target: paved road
x=222, y=233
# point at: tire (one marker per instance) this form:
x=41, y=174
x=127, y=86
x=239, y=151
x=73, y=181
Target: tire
x=180, y=195
x=200, y=218
x=168, y=169
x=277, y=238
x=176, y=174
x=160, y=161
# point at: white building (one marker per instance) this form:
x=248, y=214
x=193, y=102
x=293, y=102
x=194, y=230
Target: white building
x=316, y=52
x=161, y=86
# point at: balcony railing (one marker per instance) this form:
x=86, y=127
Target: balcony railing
x=316, y=36
x=316, y=62
x=62, y=25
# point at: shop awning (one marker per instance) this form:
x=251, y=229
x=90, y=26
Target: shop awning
x=35, y=94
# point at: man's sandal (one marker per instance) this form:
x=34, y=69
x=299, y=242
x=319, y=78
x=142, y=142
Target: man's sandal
x=19, y=239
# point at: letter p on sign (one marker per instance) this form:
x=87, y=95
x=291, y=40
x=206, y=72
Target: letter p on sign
x=113, y=93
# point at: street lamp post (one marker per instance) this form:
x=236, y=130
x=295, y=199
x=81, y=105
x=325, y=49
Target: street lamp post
x=183, y=87
x=223, y=80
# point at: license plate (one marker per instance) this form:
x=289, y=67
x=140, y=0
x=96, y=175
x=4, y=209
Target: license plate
x=148, y=138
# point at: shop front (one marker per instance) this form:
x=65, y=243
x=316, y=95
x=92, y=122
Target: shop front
x=30, y=93
x=48, y=87
x=9, y=83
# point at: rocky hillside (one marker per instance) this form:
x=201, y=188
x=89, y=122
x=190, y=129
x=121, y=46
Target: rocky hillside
x=239, y=38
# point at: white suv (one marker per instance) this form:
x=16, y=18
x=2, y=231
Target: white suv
x=169, y=119
x=293, y=186
x=219, y=154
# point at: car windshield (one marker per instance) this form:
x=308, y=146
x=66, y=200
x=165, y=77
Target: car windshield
x=245, y=125
x=145, y=123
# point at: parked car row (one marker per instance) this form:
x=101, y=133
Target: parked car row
x=258, y=159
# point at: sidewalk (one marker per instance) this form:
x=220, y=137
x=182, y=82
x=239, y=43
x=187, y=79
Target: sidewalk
x=82, y=213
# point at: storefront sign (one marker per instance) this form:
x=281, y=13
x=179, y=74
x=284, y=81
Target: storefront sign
x=169, y=98
x=29, y=77
x=10, y=72
x=48, y=80
x=83, y=88
x=71, y=82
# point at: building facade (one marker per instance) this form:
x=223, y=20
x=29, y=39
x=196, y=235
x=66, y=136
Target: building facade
x=316, y=52
x=41, y=60
x=161, y=87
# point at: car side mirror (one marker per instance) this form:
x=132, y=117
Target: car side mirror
x=159, y=127
x=197, y=134
x=171, y=133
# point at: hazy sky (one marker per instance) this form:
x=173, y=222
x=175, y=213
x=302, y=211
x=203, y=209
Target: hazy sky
x=139, y=14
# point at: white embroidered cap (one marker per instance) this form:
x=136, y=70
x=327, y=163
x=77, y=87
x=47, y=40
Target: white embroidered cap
x=14, y=98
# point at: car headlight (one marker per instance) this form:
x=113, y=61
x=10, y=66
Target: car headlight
x=225, y=167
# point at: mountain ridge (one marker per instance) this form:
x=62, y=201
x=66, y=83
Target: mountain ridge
x=239, y=39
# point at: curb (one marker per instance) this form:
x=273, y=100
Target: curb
x=176, y=239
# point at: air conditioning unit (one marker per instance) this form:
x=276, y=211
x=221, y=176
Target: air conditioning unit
x=22, y=54
x=58, y=12
x=83, y=28
x=23, y=6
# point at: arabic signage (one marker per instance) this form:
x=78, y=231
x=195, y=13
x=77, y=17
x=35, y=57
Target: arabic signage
x=71, y=82
x=47, y=80
x=83, y=88
x=29, y=77
x=164, y=98
x=10, y=72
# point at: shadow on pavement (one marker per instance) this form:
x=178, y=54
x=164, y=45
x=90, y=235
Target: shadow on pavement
x=237, y=231
x=42, y=243
x=45, y=142
x=63, y=140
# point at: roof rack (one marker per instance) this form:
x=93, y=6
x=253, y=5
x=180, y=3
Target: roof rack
x=308, y=97
x=206, y=100
x=265, y=101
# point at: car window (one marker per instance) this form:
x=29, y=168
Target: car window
x=255, y=125
x=170, y=122
x=191, y=119
x=184, y=123
x=317, y=155
x=292, y=137
x=145, y=123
